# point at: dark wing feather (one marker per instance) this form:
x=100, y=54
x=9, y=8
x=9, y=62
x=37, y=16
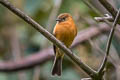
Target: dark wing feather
x=54, y=47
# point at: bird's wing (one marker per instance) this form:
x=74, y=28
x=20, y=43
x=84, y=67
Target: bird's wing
x=54, y=47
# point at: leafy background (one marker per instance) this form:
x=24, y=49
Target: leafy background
x=30, y=41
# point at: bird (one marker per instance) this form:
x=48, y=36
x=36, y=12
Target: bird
x=65, y=31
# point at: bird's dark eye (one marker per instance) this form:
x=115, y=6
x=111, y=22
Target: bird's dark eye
x=63, y=19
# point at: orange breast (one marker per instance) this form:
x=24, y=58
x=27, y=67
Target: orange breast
x=65, y=33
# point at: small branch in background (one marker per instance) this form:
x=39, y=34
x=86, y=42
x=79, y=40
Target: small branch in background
x=109, y=7
x=102, y=19
x=95, y=10
x=102, y=67
x=49, y=36
x=28, y=62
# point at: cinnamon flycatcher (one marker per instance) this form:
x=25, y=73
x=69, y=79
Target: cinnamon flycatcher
x=65, y=30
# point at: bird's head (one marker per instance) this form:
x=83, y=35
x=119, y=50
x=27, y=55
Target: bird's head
x=64, y=17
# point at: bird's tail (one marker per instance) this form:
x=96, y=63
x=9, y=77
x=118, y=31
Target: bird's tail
x=57, y=66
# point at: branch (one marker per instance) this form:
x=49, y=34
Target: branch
x=100, y=71
x=49, y=36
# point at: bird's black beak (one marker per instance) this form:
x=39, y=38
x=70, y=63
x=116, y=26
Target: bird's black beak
x=59, y=20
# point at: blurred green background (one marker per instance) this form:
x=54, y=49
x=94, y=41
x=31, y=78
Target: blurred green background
x=15, y=32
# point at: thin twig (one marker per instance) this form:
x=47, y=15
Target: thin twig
x=91, y=6
x=95, y=10
x=106, y=17
x=49, y=36
x=109, y=7
x=102, y=19
x=100, y=71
